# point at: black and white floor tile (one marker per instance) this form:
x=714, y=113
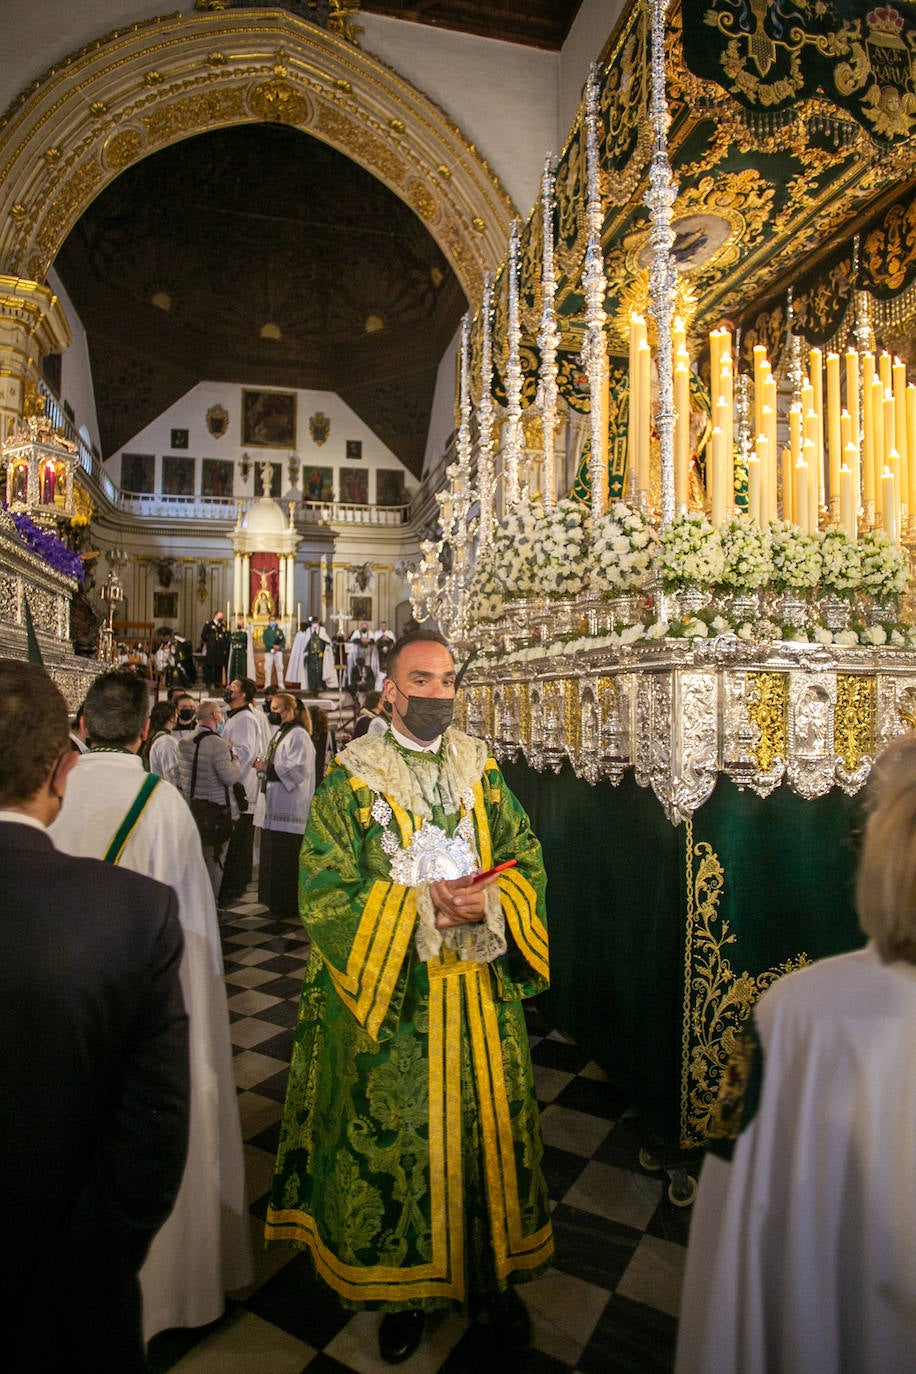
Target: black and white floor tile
x=608, y=1304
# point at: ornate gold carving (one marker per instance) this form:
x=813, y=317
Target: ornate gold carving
x=444, y=172
x=854, y=719
x=18, y=212
x=74, y=194
x=573, y=718
x=422, y=200
x=362, y=146
x=524, y=713
x=51, y=155
x=478, y=225
x=153, y=79
x=716, y=999
x=345, y=86
x=170, y=121
x=397, y=125
x=98, y=108
x=767, y=702
x=217, y=59
x=278, y=102
x=123, y=148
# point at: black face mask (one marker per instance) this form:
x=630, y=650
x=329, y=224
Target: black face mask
x=274, y=717
x=186, y=718
x=227, y=697
x=427, y=717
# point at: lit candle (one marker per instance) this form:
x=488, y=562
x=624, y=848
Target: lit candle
x=637, y=325
x=847, y=503
x=889, y=504
x=852, y=393
x=644, y=411
x=682, y=429
x=889, y=410
x=763, y=457
x=715, y=362
x=809, y=453
x=800, y=495
x=877, y=432
x=753, y=487
x=815, y=369
x=893, y=462
x=898, y=372
x=717, y=478
x=884, y=370
x=727, y=393
x=834, y=451
x=678, y=335
x=795, y=433
x=786, y=465
x=911, y=447
x=868, y=433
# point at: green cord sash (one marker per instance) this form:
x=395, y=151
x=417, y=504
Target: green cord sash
x=126, y=828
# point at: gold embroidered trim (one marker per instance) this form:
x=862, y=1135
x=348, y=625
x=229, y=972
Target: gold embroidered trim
x=377, y=955
x=528, y=931
x=716, y=999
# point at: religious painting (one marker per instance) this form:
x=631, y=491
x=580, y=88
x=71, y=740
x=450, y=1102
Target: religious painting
x=389, y=487
x=138, y=471
x=217, y=421
x=269, y=419
x=361, y=609
x=354, y=448
x=216, y=477
x=165, y=605
x=179, y=438
x=267, y=480
x=354, y=486
x=319, y=427
x=177, y=476
x=318, y=483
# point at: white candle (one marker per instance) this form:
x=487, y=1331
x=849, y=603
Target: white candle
x=717, y=477
x=868, y=442
x=834, y=452
x=682, y=429
x=815, y=370
x=786, y=466
x=753, y=488
x=643, y=360
x=847, y=503
x=889, y=504
x=800, y=495
x=911, y=447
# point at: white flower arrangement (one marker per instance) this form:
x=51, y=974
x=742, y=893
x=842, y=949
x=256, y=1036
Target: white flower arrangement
x=623, y=550
x=796, y=557
x=748, y=563
x=690, y=553
x=841, y=564
x=559, y=565
x=884, y=566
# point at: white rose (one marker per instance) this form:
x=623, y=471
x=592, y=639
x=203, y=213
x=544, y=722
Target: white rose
x=823, y=636
x=847, y=637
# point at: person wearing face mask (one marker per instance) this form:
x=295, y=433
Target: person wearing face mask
x=204, y=1249
x=410, y=1151
x=209, y=769
x=243, y=734
x=274, y=641
x=162, y=753
x=287, y=772
x=185, y=711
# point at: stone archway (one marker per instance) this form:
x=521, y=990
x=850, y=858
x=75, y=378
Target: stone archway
x=144, y=87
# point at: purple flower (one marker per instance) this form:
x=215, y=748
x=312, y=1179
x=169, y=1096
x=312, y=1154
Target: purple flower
x=47, y=546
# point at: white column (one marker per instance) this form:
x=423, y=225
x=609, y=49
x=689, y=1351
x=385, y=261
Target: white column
x=246, y=584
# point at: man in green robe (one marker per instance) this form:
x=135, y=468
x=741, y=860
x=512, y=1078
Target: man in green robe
x=410, y=1153
x=238, y=652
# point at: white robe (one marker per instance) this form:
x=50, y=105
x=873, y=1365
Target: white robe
x=802, y=1256
x=289, y=796
x=243, y=732
x=163, y=758
x=204, y=1249
x=296, y=670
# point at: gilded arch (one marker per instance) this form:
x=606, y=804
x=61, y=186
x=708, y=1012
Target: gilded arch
x=143, y=87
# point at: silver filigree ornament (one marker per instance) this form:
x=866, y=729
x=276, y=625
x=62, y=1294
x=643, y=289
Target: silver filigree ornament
x=431, y=857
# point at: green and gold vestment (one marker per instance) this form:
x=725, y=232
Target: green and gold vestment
x=410, y=1152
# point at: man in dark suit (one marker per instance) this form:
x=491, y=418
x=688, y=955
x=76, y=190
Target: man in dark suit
x=94, y=1074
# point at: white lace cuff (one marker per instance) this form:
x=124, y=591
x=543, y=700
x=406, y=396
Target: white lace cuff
x=479, y=943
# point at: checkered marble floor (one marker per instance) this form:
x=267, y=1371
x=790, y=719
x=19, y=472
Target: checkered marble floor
x=608, y=1304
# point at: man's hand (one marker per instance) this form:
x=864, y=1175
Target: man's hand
x=460, y=901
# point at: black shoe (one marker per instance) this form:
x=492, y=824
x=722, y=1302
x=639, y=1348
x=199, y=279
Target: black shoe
x=399, y=1335
x=509, y=1319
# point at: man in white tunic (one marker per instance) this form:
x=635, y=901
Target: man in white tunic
x=204, y=1249
x=802, y=1255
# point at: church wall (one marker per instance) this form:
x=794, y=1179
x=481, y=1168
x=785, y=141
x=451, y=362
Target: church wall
x=189, y=415
x=36, y=36
x=591, y=29
x=442, y=415
x=503, y=95
x=76, y=389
